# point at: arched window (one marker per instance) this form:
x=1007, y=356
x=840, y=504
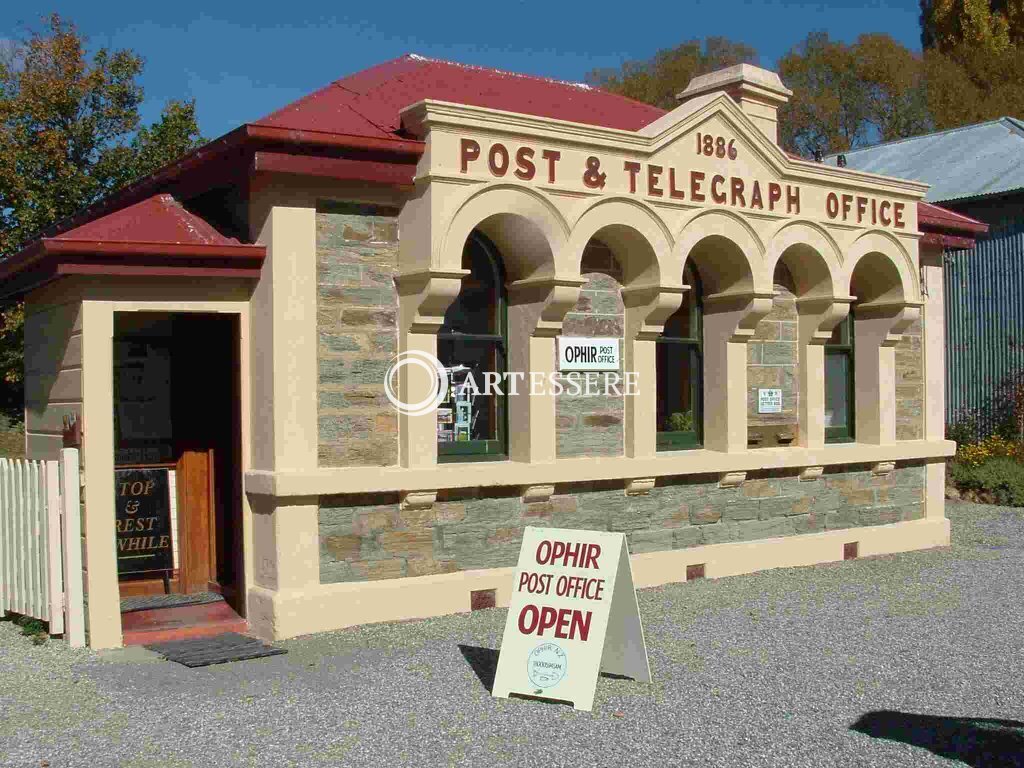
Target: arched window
x=680, y=363
x=839, y=390
x=473, y=347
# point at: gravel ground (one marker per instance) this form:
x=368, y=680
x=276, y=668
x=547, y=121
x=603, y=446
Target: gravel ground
x=906, y=660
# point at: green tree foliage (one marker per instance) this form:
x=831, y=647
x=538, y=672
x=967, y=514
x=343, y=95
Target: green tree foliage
x=658, y=79
x=70, y=133
x=847, y=94
x=974, y=53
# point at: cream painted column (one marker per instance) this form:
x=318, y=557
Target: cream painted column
x=423, y=298
x=818, y=317
x=100, y=561
x=537, y=307
x=933, y=337
x=729, y=322
x=285, y=434
x=648, y=308
x=877, y=329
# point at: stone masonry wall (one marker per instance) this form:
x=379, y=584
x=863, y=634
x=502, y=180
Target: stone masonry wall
x=368, y=537
x=592, y=426
x=772, y=359
x=910, y=384
x=357, y=312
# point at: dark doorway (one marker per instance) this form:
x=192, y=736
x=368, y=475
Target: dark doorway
x=177, y=436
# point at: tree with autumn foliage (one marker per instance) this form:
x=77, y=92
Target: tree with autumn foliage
x=70, y=134
x=658, y=79
x=974, y=56
x=846, y=95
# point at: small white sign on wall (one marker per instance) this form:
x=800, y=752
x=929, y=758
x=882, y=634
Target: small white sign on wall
x=588, y=354
x=573, y=614
x=769, y=401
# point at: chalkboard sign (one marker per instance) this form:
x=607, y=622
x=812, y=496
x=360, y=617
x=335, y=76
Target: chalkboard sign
x=143, y=519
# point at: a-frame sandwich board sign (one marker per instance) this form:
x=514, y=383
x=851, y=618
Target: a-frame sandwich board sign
x=573, y=614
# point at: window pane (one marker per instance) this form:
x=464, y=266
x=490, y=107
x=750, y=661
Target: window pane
x=837, y=390
x=477, y=307
x=678, y=402
x=841, y=333
x=467, y=414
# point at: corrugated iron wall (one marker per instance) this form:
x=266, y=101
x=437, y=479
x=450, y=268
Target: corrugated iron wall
x=984, y=326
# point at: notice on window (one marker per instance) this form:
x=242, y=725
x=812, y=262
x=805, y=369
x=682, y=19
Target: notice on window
x=769, y=401
x=588, y=354
x=143, y=520
x=573, y=614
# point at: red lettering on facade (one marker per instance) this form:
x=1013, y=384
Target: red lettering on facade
x=672, y=190
x=696, y=177
x=552, y=157
x=497, y=159
x=633, y=169
x=525, y=169
x=774, y=195
x=653, y=172
x=832, y=205
x=470, y=151
x=897, y=210
x=716, y=193
x=736, y=188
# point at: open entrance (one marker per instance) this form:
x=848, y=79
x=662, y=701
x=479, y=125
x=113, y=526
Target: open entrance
x=177, y=429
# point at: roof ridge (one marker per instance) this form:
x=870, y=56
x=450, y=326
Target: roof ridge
x=921, y=136
x=481, y=68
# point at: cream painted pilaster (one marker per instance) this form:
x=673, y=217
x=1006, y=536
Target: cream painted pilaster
x=285, y=433
x=934, y=341
x=536, y=309
x=817, y=319
x=647, y=310
x=423, y=299
x=104, y=606
x=877, y=329
x=729, y=322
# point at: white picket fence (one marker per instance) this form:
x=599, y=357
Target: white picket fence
x=41, y=543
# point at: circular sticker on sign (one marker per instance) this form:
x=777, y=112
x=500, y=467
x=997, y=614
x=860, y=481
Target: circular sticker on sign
x=547, y=665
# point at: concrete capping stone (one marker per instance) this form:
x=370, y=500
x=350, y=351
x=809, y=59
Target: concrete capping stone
x=537, y=493
x=883, y=468
x=809, y=474
x=418, y=500
x=640, y=486
x=731, y=479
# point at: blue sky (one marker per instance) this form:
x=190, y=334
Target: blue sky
x=243, y=60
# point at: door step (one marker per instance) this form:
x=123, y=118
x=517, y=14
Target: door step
x=181, y=622
x=147, y=602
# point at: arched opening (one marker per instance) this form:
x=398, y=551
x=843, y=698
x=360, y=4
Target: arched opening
x=785, y=360
x=878, y=315
x=730, y=307
x=679, y=364
x=472, y=345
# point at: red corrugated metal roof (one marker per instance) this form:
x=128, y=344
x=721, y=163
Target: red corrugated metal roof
x=931, y=215
x=368, y=103
x=158, y=219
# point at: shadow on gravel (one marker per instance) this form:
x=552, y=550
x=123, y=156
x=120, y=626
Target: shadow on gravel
x=978, y=742
x=484, y=662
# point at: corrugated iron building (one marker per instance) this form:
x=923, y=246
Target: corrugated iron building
x=977, y=170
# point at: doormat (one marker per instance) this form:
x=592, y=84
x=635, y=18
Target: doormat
x=149, y=602
x=219, y=649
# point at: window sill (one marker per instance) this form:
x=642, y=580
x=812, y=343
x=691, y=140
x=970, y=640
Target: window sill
x=327, y=481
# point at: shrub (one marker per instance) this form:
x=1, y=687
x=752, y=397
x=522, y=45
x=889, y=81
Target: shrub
x=994, y=446
x=681, y=422
x=1002, y=477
